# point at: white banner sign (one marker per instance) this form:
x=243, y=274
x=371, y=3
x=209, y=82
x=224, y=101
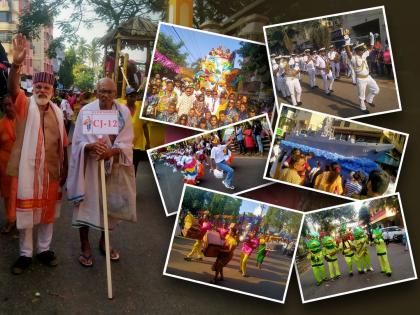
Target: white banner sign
x=100, y=122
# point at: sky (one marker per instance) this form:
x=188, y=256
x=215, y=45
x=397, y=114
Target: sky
x=250, y=206
x=198, y=44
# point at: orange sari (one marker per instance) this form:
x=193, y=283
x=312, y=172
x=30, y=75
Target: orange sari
x=7, y=138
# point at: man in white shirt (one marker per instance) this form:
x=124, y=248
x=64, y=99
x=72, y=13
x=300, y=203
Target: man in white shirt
x=310, y=67
x=67, y=112
x=185, y=101
x=292, y=81
x=334, y=58
x=217, y=158
x=323, y=65
x=278, y=70
x=363, y=79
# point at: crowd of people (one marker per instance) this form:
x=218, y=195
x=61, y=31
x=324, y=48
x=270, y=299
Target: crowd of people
x=293, y=167
x=209, y=150
x=226, y=238
x=355, y=61
x=37, y=167
x=353, y=246
x=188, y=103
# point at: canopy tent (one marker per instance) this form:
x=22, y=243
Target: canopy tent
x=135, y=33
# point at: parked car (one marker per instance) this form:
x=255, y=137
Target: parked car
x=393, y=233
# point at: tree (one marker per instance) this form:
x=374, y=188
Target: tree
x=113, y=12
x=84, y=77
x=94, y=52
x=196, y=199
x=65, y=73
x=82, y=50
x=280, y=39
x=221, y=204
x=254, y=61
x=328, y=220
x=168, y=47
x=56, y=43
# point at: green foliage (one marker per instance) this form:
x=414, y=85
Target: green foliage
x=112, y=12
x=327, y=219
x=66, y=76
x=282, y=220
x=36, y=15
x=196, y=200
x=221, y=204
x=54, y=44
x=171, y=49
x=280, y=39
x=84, y=77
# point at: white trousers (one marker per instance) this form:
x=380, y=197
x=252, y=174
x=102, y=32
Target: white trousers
x=327, y=77
x=282, y=87
x=312, y=77
x=373, y=89
x=351, y=73
x=43, y=238
x=335, y=68
x=295, y=89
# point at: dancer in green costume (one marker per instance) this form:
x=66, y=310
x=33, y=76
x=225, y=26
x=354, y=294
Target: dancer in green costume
x=381, y=252
x=362, y=255
x=330, y=254
x=315, y=256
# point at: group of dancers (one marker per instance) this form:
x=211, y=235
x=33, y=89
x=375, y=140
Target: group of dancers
x=327, y=63
x=231, y=236
x=353, y=246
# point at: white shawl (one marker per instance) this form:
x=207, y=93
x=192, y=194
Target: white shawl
x=33, y=180
x=83, y=183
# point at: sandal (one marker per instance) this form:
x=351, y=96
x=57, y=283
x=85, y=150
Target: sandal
x=85, y=261
x=115, y=256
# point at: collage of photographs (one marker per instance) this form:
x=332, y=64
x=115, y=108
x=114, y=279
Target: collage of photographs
x=253, y=144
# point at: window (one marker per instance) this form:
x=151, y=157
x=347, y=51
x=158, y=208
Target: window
x=346, y=124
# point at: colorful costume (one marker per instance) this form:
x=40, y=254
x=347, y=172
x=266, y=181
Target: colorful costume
x=197, y=248
x=315, y=256
x=362, y=253
x=381, y=252
x=246, y=251
x=262, y=251
x=190, y=170
x=347, y=249
x=330, y=254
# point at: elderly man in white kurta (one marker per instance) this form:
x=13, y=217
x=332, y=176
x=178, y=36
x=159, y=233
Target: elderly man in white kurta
x=84, y=188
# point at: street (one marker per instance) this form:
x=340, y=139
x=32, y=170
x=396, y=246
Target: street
x=344, y=101
x=399, y=260
x=248, y=174
x=269, y=282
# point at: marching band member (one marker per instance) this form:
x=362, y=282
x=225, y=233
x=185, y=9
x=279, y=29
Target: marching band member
x=323, y=65
x=363, y=79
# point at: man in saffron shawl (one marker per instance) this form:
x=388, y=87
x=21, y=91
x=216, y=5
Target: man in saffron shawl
x=37, y=162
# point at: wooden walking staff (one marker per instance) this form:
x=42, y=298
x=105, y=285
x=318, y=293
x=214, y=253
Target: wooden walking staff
x=106, y=227
x=100, y=123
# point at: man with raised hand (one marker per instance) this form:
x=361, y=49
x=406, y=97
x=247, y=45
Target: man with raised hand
x=38, y=162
